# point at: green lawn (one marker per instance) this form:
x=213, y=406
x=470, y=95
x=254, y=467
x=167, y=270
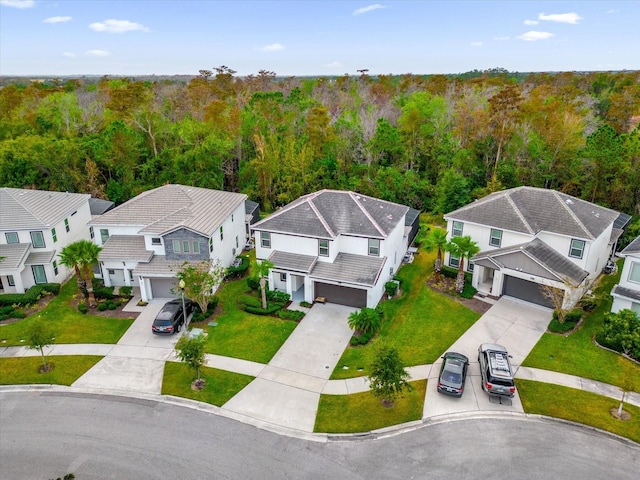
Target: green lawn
x=362, y=412
x=24, y=370
x=243, y=335
x=422, y=324
x=219, y=388
x=578, y=406
x=69, y=325
x=577, y=354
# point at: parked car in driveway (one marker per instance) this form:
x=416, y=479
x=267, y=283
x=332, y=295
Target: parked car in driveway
x=495, y=369
x=171, y=318
x=453, y=374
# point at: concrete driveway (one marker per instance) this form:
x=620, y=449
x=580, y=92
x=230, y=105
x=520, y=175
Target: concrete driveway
x=286, y=392
x=515, y=324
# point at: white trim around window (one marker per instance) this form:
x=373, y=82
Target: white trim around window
x=456, y=229
x=265, y=239
x=454, y=261
x=374, y=247
x=323, y=247
x=576, y=250
x=634, y=272
x=495, y=239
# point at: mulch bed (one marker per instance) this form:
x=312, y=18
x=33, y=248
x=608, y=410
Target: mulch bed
x=447, y=286
x=117, y=313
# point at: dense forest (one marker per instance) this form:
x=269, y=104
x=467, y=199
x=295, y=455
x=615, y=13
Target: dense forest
x=432, y=142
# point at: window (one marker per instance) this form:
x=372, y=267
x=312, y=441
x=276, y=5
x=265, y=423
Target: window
x=374, y=247
x=456, y=230
x=156, y=241
x=221, y=235
x=66, y=224
x=54, y=235
x=577, y=248
x=196, y=246
x=91, y=234
x=454, y=261
x=265, y=239
x=496, y=237
x=39, y=274
x=211, y=244
x=55, y=268
x=634, y=273
x=232, y=217
x=323, y=248
x=104, y=234
x=176, y=246
x=470, y=266
x=12, y=237
x=283, y=277
x=11, y=281
x=186, y=246
x=74, y=213
x=237, y=242
x=37, y=239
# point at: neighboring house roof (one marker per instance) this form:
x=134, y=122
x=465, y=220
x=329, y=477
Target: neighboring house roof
x=170, y=207
x=540, y=253
x=98, y=206
x=330, y=213
x=350, y=268
x=14, y=255
x=40, y=258
x=626, y=292
x=32, y=209
x=125, y=248
x=633, y=248
x=621, y=221
x=532, y=210
x=411, y=216
x=250, y=206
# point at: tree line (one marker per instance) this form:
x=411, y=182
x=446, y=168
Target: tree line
x=432, y=142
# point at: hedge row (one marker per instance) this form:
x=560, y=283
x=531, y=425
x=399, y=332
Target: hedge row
x=30, y=296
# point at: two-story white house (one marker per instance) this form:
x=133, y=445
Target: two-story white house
x=627, y=293
x=338, y=245
x=34, y=226
x=146, y=240
x=530, y=237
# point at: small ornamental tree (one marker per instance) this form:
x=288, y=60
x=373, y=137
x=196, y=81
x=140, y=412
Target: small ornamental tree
x=556, y=297
x=388, y=377
x=201, y=280
x=190, y=350
x=367, y=320
x=40, y=336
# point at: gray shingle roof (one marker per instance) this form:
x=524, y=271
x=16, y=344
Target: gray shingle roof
x=632, y=248
x=169, y=207
x=626, y=292
x=40, y=258
x=541, y=253
x=531, y=210
x=293, y=261
x=14, y=254
x=22, y=209
x=329, y=213
x=125, y=248
x=99, y=206
x=350, y=268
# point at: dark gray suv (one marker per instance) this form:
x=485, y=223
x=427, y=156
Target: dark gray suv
x=495, y=368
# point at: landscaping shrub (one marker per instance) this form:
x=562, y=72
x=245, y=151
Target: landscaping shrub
x=125, y=291
x=277, y=296
x=468, y=291
x=453, y=273
x=112, y=305
x=239, y=271
x=82, y=308
x=574, y=315
x=102, y=306
x=249, y=300
x=253, y=283
x=556, y=327
x=590, y=303
x=271, y=308
x=621, y=332
x=285, y=314
x=391, y=288
x=361, y=339
x=30, y=296
x=306, y=304
x=102, y=292
x=18, y=314
x=199, y=316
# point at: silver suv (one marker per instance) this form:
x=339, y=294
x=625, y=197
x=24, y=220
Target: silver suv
x=497, y=377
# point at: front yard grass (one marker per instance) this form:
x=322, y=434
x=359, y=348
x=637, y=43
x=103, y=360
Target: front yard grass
x=220, y=385
x=24, y=370
x=422, y=323
x=362, y=412
x=578, y=406
x=69, y=325
x=577, y=354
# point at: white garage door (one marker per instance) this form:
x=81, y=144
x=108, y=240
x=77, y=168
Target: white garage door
x=162, y=288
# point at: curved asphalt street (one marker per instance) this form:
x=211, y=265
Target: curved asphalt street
x=48, y=434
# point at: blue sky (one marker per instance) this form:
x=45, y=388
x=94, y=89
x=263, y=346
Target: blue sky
x=300, y=37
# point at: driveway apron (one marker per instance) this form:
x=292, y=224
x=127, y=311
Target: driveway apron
x=136, y=362
x=515, y=324
x=286, y=392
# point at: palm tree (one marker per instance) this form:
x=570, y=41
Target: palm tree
x=70, y=258
x=437, y=240
x=462, y=247
x=261, y=270
x=89, y=252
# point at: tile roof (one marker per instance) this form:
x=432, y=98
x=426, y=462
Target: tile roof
x=632, y=248
x=40, y=258
x=626, y=292
x=125, y=248
x=350, y=268
x=293, y=261
x=23, y=209
x=531, y=210
x=538, y=251
x=158, y=266
x=14, y=255
x=170, y=207
x=329, y=213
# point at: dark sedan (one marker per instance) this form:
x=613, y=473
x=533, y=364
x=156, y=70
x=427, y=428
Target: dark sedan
x=453, y=374
x=171, y=317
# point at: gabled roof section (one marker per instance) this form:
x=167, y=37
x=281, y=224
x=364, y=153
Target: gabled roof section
x=532, y=210
x=125, y=248
x=173, y=206
x=330, y=213
x=23, y=209
x=632, y=249
x=13, y=255
x=541, y=254
x=350, y=268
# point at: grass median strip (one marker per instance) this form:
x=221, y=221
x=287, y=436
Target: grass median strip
x=24, y=370
x=362, y=412
x=578, y=406
x=220, y=385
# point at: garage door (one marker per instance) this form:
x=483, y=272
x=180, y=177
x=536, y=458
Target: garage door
x=353, y=297
x=161, y=287
x=525, y=290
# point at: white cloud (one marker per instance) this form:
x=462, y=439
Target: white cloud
x=69, y=55
x=117, y=26
x=572, y=17
x=57, y=19
x=501, y=39
x=476, y=44
x=531, y=22
x=274, y=47
x=370, y=8
x=18, y=3
x=98, y=53
x=533, y=36
x=612, y=11
x=333, y=64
